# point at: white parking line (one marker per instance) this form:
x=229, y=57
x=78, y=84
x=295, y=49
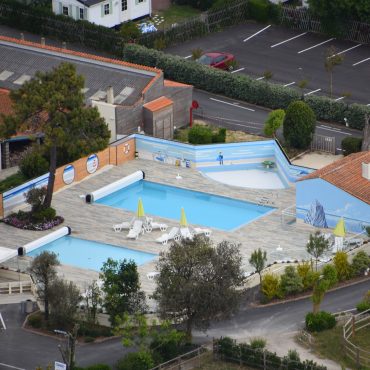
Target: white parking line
x=368, y=105
x=335, y=130
x=315, y=46
x=255, y=34
x=290, y=83
x=361, y=61
x=292, y=38
x=189, y=56
x=11, y=367
x=312, y=92
x=234, y=105
x=337, y=99
x=237, y=70
x=260, y=78
x=344, y=51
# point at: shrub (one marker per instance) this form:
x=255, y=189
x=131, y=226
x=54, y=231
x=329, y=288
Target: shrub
x=299, y=125
x=259, y=10
x=33, y=164
x=35, y=198
x=363, y=306
x=196, y=53
x=35, y=321
x=129, y=31
x=274, y=120
x=360, y=263
x=227, y=347
x=319, y=321
x=200, y=135
x=97, y=367
x=12, y=181
x=342, y=266
x=44, y=215
x=351, y=145
x=304, y=270
x=330, y=275
x=220, y=136
x=257, y=343
x=94, y=330
x=270, y=286
x=290, y=281
x=141, y=360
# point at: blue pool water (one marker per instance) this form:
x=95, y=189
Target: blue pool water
x=200, y=208
x=89, y=254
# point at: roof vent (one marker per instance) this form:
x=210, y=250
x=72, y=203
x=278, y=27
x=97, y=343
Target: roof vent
x=366, y=170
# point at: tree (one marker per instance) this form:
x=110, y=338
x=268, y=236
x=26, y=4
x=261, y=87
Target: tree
x=63, y=311
x=274, y=120
x=258, y=261
x=360, y=263
x=299, y=125
x=329, y=273
x=270, y=286
x=317, y=246
x=290, y=281
x=93, y=300
x=198, y=282
x=320, y=286
x=43, y=267
x=122, y=288
x=52, y=103
x=129, y=32
x=332, y=59
x=342, y=265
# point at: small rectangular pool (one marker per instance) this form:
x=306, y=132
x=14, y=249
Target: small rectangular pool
x=89, y=254
x=201, y=208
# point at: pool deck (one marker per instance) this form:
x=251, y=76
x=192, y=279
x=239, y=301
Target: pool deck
x=95, y=221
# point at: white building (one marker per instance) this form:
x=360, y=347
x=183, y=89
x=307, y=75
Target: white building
x=108, y=13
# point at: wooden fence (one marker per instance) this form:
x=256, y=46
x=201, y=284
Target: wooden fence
x=357, y=354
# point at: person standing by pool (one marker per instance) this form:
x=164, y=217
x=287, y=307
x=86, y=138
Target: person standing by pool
x=220, y=158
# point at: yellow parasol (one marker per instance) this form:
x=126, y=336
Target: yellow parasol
x=140, y=209
x=183, y=220
x=340, y=229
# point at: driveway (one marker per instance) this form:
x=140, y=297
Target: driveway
x=291, y=56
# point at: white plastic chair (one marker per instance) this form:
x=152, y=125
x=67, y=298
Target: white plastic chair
x=186, y=233
x=173, y=234
x=200, y=231
x=136, y=229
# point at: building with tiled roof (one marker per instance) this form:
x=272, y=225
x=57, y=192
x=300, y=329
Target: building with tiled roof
x=120, y=90
x=342, y=188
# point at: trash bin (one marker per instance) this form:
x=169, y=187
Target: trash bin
x=28, y=306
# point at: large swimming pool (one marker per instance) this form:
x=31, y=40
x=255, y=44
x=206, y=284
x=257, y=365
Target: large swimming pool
x=201, y=208
x=89, y=254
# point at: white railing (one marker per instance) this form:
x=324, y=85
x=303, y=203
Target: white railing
x=289, y=215
x=14, y=287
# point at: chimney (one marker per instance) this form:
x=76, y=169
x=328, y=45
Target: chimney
x=366, y=170
x=110, y=95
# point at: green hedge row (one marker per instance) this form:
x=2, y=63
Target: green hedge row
x=243, y=87
x=244, y=354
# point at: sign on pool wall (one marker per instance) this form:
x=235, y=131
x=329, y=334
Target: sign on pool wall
x=92, y=163
x=68, y=174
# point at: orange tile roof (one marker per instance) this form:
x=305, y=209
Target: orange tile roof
x=5, y=102
x=158, y=104
x=346, y=174
x=169, y=83
x=157, y=71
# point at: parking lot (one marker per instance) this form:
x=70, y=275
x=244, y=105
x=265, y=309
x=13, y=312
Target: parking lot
x=291, y=56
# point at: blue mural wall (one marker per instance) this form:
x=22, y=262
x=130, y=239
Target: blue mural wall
x=187, y=155
x=336, y=202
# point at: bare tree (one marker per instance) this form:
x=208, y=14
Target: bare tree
x=332, y=59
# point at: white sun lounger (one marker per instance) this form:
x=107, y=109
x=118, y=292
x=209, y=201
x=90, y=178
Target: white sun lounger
x=136, y=229
x=155, y=226
x=122, y=226
x=186, y=233
x=172, y=234
x=200, y=231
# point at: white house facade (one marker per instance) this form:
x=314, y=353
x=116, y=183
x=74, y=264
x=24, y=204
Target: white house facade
x=108, y=13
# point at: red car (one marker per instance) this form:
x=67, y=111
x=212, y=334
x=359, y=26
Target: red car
x=217, y=60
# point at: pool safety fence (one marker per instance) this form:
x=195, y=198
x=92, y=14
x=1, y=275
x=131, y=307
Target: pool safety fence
x=113, y=187
x=63, y=231
x=117, y=153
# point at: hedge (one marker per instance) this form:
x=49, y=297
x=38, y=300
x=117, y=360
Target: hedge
x=242, y=87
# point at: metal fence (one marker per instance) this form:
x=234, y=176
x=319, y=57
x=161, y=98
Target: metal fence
x=356, y=323
x=323, y=143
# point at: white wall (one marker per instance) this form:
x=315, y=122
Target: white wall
x=95, y=15
x=108, y=112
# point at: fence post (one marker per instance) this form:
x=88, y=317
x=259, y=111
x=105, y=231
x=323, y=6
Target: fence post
x=358, y=357
x=353, y=326
x=264, y=360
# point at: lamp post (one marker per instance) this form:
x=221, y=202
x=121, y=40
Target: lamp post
x=68, y=353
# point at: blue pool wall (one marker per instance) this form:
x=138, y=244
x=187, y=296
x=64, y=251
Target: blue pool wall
x=198, y=156
x=336, y=203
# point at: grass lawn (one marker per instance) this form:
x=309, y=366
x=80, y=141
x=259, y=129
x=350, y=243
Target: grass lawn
x=176, y=14
x=328, y=344
x=12, y=181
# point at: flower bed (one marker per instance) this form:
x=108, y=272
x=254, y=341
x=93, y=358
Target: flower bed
x=26, y=223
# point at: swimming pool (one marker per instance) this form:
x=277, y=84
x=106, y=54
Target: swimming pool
x=251, y=175
x=89, y=254
x=201, y=208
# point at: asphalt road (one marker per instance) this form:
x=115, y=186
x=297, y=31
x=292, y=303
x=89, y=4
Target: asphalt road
x=25, y=350
x=237, y=115
x=291, y=56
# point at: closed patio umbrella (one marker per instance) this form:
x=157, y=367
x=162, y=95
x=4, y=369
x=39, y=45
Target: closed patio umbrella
x=140, y=209
x=183, y=220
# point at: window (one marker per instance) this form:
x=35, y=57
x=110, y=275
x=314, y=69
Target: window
x=220, y=58
x=81, y=13
x=140, y=1
x=65, y=10
x=106, y=9
x=124, y=5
